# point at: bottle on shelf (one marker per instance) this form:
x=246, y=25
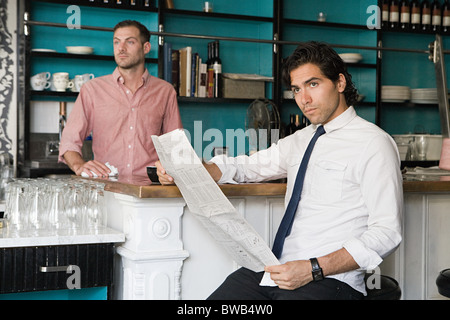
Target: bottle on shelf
x=415, y=15
x=217, y=66
x=300, y=124
x=426, y=16
x=394, y=12
x=297, y=122
x=446, y=17
x=405, y=15
x=210, y=72
x=385, y=14
x=436, y=16
x=290, y=128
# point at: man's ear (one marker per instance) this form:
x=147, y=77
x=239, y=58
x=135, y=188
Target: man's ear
x=341, y=83
x=147, y=47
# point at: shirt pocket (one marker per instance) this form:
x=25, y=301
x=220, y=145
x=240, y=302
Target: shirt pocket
x=327, y=181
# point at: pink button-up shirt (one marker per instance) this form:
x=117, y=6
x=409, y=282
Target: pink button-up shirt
x=121, y=122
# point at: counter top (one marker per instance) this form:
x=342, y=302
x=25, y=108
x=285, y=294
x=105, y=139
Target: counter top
x=142, y=187
x=35, y=238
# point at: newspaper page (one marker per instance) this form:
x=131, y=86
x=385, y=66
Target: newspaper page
x=208, y=203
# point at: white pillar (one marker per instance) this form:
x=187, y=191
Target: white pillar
x=152, y=255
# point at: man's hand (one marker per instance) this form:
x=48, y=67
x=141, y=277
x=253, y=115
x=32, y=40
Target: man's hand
x=91, y=167
x=78, y=165
x=291, y=275
x=163, y=177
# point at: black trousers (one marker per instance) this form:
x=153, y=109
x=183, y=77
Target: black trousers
x=243, y=284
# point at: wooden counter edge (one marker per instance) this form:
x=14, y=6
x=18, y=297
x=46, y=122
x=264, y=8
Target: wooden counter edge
x=252, y=189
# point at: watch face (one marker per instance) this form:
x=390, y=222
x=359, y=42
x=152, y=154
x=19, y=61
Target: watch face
x=317, y=275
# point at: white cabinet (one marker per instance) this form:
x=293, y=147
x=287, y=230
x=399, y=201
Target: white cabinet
x=424, y=251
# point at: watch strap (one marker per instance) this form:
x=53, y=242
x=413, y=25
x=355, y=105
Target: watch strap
x=317, y=272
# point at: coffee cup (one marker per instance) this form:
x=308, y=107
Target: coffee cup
x=61, y=82
x=81, y=79
x=40, y=81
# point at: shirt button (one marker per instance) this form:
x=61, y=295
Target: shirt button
x=129, y=146
x=131, y=127
x=128, y=165
x=128, y=91
x=132, y=109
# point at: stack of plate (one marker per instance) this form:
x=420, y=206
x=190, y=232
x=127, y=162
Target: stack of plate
x=395, y=93
x=424, y=95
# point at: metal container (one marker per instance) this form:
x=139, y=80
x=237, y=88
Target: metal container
x=419, y=147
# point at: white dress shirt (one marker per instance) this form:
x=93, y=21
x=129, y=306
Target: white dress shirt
x=352, y=196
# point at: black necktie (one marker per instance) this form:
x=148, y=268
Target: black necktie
x=286, y=223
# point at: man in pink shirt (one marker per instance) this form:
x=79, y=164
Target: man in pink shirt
x=122, y=111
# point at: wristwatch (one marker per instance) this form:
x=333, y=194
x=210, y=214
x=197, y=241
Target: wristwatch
x=316, y=270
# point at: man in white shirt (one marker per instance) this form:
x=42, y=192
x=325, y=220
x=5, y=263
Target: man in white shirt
x=349, y=215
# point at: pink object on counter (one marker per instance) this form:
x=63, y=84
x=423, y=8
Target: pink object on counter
x=444, y=163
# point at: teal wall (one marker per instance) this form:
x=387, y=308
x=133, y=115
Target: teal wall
x=409, y=69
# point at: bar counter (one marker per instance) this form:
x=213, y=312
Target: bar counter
x=141, y=187
x=169, y=254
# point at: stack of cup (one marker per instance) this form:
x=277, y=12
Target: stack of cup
x=61, y=82
x=40, y=81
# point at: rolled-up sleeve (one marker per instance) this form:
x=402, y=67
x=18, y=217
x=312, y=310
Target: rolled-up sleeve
x=264, y=165
x=78, y=126
x=382, y=191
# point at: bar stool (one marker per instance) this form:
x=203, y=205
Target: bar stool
x=389, y=289
x=443, y=283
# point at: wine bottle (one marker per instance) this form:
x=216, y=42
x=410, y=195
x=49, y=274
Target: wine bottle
x=217, y=66
x=210, y=72
x=436, y=16
x=394, y=14
x=299, y=125
x=426, y=16
x=446, y=17
x=405, y=15
x=297, y=122
x=385, y=14
x=415, y=15
x=290, y=128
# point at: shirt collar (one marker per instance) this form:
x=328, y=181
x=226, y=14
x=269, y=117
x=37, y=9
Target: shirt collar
x=340, y=121
x=118, y=77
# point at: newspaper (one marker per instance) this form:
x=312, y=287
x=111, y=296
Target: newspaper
x=208, y=203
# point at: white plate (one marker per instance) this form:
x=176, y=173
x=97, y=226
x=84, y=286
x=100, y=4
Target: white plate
x=80, y=49
x=351, y=57
x=43, y=50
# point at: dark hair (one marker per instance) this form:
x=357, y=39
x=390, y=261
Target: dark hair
x=143, y=31
x=329, y=62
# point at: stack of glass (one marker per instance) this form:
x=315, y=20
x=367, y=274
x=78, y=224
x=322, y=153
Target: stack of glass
x=55, y=204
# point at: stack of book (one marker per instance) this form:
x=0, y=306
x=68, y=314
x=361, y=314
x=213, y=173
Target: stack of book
x=186, y=71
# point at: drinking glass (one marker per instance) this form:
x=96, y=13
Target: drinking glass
x=56, y=216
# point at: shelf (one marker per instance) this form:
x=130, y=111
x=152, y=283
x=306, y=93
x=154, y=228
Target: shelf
x=311, y=23
x=53, y=93
x=216, y=15
x=362, y=65
x=180, y=99
x=81, y=56
x=213, y=100
x=408, y=31
x=111, y=5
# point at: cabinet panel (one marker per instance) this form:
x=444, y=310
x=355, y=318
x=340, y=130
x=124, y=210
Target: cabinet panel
x=20, y=267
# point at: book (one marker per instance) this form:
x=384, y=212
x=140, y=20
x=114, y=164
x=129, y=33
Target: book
x=167, y=62
x=185, y=71
x=176, y=70
x=202, y=80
